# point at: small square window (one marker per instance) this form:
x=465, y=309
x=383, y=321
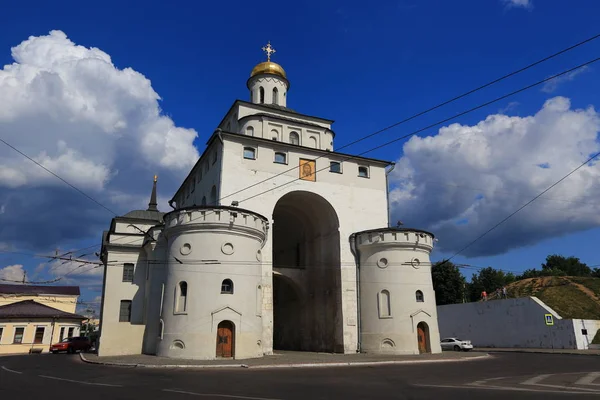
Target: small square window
x=128, y=272
x=363, y=172
x=335, y=166
x=280, y=158
x=249, y=153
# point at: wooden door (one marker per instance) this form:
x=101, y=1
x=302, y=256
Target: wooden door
x=225, y=340
x=422, y=339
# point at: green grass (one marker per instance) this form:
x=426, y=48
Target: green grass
x=561, y=295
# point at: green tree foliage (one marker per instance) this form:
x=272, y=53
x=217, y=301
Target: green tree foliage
x=449, y=284
x=557, y=265
x=488, y=279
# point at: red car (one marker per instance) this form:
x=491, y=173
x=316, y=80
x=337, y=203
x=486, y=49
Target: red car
x=72, y=344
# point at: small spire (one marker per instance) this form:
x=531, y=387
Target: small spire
x=152, y=206
x=269, y=50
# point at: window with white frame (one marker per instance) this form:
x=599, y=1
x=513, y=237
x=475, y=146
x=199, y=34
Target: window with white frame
x=71, y=331
x=181, y=297
x=385, y=310
x=62, y=334
x=280, y=158
x=335, y=166
x=227, y=286
x=39, y=335
x=124, y=313
x=18, y=338
x=128, y=269
x=249, y=153
x=294, y=138
x=363, y=171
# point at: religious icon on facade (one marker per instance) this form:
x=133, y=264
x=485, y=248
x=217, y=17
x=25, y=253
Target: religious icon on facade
x=307, y=170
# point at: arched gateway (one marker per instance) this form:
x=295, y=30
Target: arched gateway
x=306, y=274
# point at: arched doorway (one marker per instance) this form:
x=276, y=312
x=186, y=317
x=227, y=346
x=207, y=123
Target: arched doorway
x=225, y=339
x=307, y=273
x=423, y=338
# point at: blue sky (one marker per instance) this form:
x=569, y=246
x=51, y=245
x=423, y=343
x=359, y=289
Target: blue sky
x=362, y=65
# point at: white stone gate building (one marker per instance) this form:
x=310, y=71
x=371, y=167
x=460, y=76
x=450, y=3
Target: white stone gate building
x=275, y=241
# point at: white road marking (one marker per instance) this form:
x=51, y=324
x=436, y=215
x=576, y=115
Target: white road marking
x=489, y=387
x=589, y=379
x=11, y=370
x=484, y=381
x=83, y=383
x=217, y=395
x=535, y=379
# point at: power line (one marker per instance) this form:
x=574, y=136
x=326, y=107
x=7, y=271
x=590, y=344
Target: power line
x=522, y=207
x=465, y=94
x=522, y=89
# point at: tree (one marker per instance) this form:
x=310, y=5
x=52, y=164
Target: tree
x=449, y=284
x=570, y=266
x=488, y=279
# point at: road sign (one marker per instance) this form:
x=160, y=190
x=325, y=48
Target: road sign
x=549, y=319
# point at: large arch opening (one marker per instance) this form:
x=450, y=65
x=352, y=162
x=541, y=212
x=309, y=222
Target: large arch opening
x=307, y=296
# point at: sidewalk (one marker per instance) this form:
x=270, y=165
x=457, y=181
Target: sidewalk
x=283, y=359
x=539, y=351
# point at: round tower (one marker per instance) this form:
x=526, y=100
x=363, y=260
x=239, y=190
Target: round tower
x=212, y=297
x=398, y=313
x=268, y=82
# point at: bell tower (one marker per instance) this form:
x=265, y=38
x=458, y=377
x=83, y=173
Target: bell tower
x=268, y=82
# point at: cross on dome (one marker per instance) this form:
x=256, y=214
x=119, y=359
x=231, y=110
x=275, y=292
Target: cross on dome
x=269, y=50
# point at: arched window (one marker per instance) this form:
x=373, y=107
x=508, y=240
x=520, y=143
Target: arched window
x=250, y=131
x=203, y=200
x=419, y=296
x=161, y=328
x=181, y=301
x=294, y=138
x=213, y=196
x=262, y=95
x=275, y=96
x=227, y=287
x=274, y=134
x=384, y=304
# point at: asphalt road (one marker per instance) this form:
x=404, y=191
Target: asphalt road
x=513, y=375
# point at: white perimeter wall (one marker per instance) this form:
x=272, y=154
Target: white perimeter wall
x=517, y=323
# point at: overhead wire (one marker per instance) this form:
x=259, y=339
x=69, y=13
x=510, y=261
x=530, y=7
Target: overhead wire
x=451, y=100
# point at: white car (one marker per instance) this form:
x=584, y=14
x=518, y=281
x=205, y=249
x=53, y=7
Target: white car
x=456, y=344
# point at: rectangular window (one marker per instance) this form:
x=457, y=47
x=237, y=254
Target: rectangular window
x=249, y=153
x=363, y=172
x=125, y=311
x=18, y=335
x=62, y=334
x=335, y=166
x=128, y=269
x=39, y=335
x=280, y=158
x=71, y=330
x=1, y=330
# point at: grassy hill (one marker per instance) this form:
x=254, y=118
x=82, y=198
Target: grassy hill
x=570, y=296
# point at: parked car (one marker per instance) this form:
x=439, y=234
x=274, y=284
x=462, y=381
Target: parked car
x=72, y=344
x=456, y=344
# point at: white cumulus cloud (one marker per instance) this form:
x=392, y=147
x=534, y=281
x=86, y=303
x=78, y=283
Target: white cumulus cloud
x=12, y=274
x=464, y=180
x=99, y=127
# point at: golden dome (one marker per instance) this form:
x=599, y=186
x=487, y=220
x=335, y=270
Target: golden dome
x=268, y=67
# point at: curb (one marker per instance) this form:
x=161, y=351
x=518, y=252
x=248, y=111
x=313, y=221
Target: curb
x=491, y=350
x=273, y=366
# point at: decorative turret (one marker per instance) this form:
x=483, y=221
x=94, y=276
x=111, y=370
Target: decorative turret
x=152, y=206
x=268, y=82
